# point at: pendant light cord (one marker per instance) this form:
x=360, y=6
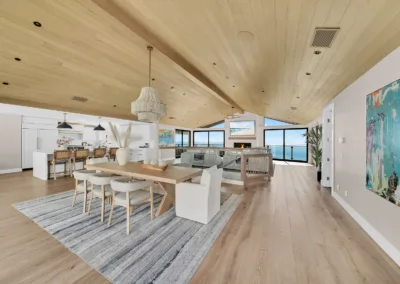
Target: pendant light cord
x=149, y=48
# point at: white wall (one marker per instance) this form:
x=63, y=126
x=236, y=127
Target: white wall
x=10, y=143
x=379, y=215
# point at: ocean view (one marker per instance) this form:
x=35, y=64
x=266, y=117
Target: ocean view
x=299, y=152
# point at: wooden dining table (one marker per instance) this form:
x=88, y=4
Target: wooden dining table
x=167, y=179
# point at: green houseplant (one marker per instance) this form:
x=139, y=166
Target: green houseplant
x=314, y=139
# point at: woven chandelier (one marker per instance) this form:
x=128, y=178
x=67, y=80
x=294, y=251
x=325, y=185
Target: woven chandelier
x=148, y=107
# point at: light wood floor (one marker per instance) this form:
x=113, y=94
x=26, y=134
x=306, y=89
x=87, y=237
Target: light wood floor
x=287, y=231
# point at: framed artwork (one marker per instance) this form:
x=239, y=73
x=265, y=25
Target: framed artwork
x=166, y=137
x=383, y=142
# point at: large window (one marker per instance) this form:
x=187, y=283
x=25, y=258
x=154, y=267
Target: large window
x=287, y=144
x=273, y=122
x=182, y=139
x=209, y=138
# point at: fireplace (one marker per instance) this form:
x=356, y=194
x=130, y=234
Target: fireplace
x=241, y=145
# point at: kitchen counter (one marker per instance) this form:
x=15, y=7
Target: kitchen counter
x=41, y=162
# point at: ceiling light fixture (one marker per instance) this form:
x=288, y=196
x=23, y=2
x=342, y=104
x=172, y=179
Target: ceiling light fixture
x=38, y=24
x=317, y=52
x=308, y=73
x=99, y=127
x=64, y=125
x=233, y=115
x=17, y=59
x=6, y=83
x=148, y=107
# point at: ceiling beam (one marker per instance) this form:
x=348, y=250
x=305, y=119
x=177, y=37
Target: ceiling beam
x=28, y=103
x=135, y=26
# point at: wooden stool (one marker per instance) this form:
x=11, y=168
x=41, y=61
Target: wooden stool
x=127, y=193
x=99, y=152
x=82, y=175
x=112, y=154
x=80, y=155
x=60, y=157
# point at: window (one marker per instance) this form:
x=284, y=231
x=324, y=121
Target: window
x=272, y=122
x=182, y=139
x=287, y=144
x=214, y=138
x=221, y=125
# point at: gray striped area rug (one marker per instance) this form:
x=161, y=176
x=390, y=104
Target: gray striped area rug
x=167, y=250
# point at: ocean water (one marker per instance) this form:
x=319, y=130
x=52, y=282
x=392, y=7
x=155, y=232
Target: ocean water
x=299, y=153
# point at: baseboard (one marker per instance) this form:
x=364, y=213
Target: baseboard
x=10, y=171
x=384, y=244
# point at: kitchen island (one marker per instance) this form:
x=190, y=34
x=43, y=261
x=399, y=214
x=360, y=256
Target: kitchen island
x=41, y=165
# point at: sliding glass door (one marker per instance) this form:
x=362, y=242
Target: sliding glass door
x=287, y=144
x=214, y=138
x=182, y=139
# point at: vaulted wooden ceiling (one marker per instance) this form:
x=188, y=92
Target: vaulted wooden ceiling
x=209, y=55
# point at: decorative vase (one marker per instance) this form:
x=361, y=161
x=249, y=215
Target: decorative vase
x=122, y=155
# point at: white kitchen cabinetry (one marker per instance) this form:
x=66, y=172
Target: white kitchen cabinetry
x=43, y=140
x=29, y=145
x=38, y=134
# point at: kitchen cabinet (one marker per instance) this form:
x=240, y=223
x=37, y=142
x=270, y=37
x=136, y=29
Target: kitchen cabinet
x=44, y=140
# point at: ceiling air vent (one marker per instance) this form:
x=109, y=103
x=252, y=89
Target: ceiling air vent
x=79, y=99
x=323, y=37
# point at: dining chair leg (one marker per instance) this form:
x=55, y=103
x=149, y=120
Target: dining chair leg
x=54, y=171
x=91, y=199
x=73, y=200
x=84, y=196
x=111, y=213
x=128, y=215
x=151, y=203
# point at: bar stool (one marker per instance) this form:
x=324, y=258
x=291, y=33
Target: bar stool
x=112, y=153
x=100, y=188
x=99, y=152
x=127, y=193
x=82, y=175
x=80, y=155
x=60, y=157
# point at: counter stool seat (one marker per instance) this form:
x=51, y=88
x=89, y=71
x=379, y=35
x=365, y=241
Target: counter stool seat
x=128, y=192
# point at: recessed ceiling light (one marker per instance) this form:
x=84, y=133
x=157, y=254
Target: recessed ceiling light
x=317, y=52
x=298, y=97
x=153, y=79
x=308, y=73
x=262, y=91
x=172, y=87
x=293, y=108
x=38, y=24
x=183, y=93
x=233, y=86
x=115, y=105
x=227, y=77
x=171, y=117
x=17, y=59
x=5, y=83
x=214, y=63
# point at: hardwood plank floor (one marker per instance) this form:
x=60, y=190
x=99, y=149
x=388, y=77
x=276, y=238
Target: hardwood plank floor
x=287, y=231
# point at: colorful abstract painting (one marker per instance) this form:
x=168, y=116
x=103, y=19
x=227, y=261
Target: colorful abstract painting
x=383, y=142
x=166, y=137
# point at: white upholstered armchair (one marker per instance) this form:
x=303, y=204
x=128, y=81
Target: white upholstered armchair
x=200, y=202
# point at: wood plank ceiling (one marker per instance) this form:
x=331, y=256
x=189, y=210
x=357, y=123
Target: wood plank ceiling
x=209, y=54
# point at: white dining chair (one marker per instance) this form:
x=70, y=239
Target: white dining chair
x=100, y=188
x=83, y=176
x=200, y=202
x=128, y=193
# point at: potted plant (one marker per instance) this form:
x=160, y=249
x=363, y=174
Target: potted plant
x=314, y=139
